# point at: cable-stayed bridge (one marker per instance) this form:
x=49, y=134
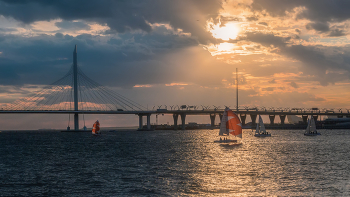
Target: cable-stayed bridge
x=75, y=93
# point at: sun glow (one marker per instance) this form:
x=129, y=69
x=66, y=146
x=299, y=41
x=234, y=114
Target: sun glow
x=222, y=48
x=226, y=32
x=226, y=47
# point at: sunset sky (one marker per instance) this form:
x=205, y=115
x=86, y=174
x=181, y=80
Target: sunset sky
x=289, y=53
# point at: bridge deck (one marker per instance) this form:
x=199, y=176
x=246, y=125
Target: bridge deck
x=188, y=112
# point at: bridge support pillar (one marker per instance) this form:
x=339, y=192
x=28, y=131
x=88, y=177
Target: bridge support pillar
x=140, y=122
x=148, y=121
x=253, y=117
x=340, y=116
x=176, y=117
x=183, y=120
x=305, y=118
x=212, y=120
x=76, y=121
x=283, y=118
x=272, y=119
x=315, y=117
x=243, y=117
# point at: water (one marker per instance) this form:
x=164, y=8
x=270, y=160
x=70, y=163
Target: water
x=174, y=163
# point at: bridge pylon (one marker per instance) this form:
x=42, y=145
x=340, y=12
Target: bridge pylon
x=75, y=76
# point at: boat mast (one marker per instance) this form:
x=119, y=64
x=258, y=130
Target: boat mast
x=237, y=89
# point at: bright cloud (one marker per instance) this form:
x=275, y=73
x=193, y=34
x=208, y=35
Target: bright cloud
x=143, y=86
x=176, y=84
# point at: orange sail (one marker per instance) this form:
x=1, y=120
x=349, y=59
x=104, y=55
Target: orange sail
x=96, y=128
x=233, y=124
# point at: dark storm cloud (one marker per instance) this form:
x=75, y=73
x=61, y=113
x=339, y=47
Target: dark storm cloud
x=267, y=39
x=72, y=25
x=337, y=33
x=59, y=35
x=123, y=60
x=316, y=60
x=120, y=15
x=322, y=27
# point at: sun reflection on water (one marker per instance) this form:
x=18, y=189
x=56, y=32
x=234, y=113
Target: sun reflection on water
x=276, y=166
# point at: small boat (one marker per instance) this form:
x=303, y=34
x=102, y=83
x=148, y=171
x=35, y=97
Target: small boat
x=311, y=128
x=96, y=128
x=260, y=130
x=230, y=125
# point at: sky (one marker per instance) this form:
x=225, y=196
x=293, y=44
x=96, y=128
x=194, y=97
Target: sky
x=289, y=54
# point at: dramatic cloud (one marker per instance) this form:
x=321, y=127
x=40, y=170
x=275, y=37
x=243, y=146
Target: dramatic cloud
x=315, y=10
x=48, y=56
x=121, y=16
x=321, y=12
x=288, y=53
x=315, y=59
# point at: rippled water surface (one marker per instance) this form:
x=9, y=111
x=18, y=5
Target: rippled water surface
x=174, y=163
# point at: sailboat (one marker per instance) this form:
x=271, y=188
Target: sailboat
x=96, y=128
x=260, y=130
x=311, y=127
x=230, y=125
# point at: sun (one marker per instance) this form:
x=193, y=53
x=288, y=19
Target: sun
x=226, y=32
